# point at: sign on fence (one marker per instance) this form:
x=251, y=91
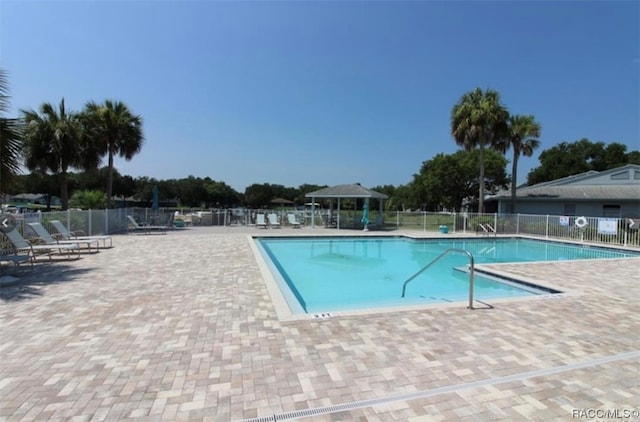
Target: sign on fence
x=607, y=226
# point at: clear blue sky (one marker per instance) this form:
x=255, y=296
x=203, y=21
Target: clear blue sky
x=325, y=92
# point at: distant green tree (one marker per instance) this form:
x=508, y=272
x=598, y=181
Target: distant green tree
x=261, y=195
x=53, y=143
x=388, y=190
x=304, y=189
x=609, y=156
x=478, y=121
x=403, y=198
x=633, y=157
x=570, y=158
x=112, y=130
x=258, y=195
x=522, y=137
x=124, y=185
x=219, y=194
x=10, y=139
x=34, y=182
x=192, y=191
x=446, y=181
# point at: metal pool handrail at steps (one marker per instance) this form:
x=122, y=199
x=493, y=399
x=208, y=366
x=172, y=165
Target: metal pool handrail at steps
x=448, y=251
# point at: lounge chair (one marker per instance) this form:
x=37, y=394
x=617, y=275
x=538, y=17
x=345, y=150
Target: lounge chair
x=43, y=234
x=376, y=225
x=67, y=235
x=260, y=222
x=146, y=229
x=20, y=244
x=17, y=259
x=273, y=220
x=292, y=221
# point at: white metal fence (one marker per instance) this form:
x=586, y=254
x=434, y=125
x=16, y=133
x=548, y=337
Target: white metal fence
x=614, y=231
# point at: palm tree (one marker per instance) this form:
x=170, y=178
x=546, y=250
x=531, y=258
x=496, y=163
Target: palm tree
x=10, y=138
x=113, y=130
x=523, y=134
x=479, y=120
x=53, y=143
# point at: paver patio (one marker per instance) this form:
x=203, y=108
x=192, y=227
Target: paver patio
x=182, y=327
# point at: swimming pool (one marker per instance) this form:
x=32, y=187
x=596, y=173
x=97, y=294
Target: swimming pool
x=319, y=275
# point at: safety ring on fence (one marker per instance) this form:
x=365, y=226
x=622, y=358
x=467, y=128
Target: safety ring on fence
x=581, y=222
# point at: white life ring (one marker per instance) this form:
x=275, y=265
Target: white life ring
x=581, y=222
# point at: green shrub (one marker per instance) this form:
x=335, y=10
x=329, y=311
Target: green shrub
x=89, y=199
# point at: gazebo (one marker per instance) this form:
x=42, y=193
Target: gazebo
x=344, y=191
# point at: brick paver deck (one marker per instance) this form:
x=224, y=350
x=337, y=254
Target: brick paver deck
x=182, y=327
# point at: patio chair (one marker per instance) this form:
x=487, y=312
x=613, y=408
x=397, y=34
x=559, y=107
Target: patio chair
x=376, y=225
x=260, y=222
x=43, y=234
x=146, y=229
x=68, y=235
x=273, y=220
x=20, y=244
x=17, y=259
x=292, y=221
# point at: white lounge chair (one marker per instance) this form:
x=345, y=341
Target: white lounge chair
x=146, y=229
x=292, y=221
x=273, y=220
x=67, y=235
x=20, y=244
x=260, y=222
x=43, y=234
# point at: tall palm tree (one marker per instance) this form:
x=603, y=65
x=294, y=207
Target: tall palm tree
x=522, y=136
x=479, y=120
x=53, y=143
x=114, y=130
x=10, y=138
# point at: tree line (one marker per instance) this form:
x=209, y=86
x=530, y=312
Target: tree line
x=53, y=141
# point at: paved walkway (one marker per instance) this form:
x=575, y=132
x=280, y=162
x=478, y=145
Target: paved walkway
x=182, y=327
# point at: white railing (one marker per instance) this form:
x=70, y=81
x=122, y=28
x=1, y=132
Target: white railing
x=614, y=231
x=584, y=229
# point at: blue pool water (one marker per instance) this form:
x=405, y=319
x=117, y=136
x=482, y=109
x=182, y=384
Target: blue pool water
x=333, y=274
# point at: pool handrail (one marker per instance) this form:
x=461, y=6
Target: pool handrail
x=423, y=269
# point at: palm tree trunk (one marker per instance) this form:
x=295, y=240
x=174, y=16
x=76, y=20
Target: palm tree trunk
x=64, y=191
x=514, y=172
x=110, y=180
x=481, y=181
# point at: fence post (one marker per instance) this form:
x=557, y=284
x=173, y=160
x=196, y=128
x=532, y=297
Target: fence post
x=625, y=238
x=89, y=230
x=546, y=233
x=424, y=221
x=106, y=220
x=453, y=226
x=518, y=223
x=495, y=223
x=465, y=216
x=397, y=219
x=69, y=220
